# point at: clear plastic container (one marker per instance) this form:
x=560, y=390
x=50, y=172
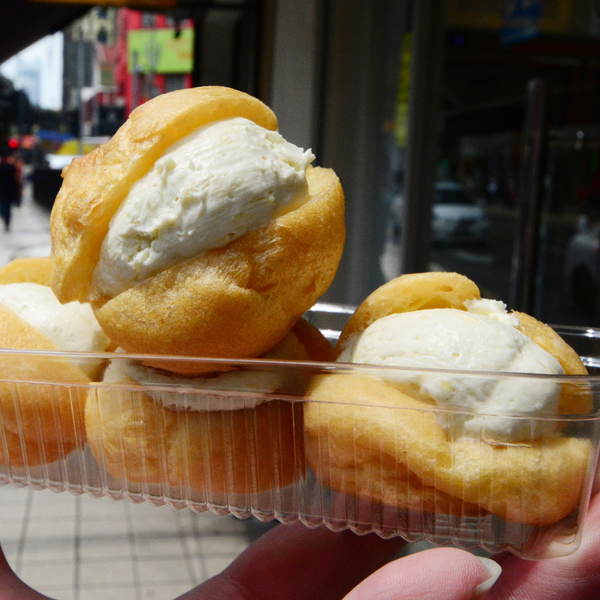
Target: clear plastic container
x=317, y=442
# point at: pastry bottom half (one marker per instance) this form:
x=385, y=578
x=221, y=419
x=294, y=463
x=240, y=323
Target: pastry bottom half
x=368, y=439
x=17, y=451
x=209, y=452
x=40, y=423
x=41, y=397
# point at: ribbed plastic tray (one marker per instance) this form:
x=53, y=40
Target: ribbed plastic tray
x=273, y=445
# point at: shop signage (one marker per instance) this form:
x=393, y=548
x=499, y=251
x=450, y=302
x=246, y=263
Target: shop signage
x=163, y=50
x=522, y=20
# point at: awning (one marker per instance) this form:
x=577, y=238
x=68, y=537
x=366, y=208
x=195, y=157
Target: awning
x=22, y=23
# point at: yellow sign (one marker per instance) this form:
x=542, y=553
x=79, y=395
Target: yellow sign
x=489, y=14
x=403, y=91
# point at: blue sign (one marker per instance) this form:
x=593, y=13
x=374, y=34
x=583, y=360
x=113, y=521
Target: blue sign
x=522, y=19
x=53, y=136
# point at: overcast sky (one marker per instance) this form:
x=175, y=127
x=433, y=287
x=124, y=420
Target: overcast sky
x=38, y=70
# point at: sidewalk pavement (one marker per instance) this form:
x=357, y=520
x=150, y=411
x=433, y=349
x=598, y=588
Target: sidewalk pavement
x=29, y=233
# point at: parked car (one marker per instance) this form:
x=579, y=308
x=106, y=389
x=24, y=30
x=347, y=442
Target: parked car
x=59, y=161
x=581, y=266
x=458, y=215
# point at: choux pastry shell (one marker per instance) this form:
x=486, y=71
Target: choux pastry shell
x=235, y=301
x=367, y=438
x=31, y=269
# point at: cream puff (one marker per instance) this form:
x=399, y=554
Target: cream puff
x=222, y=434
x=42, y=396
x=422, y=436
x=197, y=230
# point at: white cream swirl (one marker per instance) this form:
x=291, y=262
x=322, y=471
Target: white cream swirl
x=481, y=339
x=211, y=187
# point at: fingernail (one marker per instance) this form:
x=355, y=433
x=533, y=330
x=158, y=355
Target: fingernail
x=494, y=569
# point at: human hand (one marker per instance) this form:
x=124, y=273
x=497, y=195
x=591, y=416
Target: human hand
x=296, y=563
x=293, y=562
x=11, y=587
x=573, y=577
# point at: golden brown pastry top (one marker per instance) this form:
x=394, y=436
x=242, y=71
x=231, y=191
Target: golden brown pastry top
x=27, y=270
x=316, y=344
x=414, y=291
x=95, y=185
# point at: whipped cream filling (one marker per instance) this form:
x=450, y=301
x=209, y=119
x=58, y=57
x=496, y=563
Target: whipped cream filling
x=70, y=327
x=250, y=388
x=484, y=338
x=211, y=187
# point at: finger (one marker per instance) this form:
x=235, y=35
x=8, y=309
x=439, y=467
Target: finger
x=573, y=577
x=296, y=563
x=438, y=574
x=11, y=587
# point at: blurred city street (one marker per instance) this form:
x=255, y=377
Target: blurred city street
x=465, y=137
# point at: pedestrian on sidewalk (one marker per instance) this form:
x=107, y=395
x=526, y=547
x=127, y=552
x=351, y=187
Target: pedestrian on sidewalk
x=10, y=186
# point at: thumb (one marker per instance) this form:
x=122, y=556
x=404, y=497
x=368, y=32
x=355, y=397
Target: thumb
x=439, y=574
x=11, y=587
